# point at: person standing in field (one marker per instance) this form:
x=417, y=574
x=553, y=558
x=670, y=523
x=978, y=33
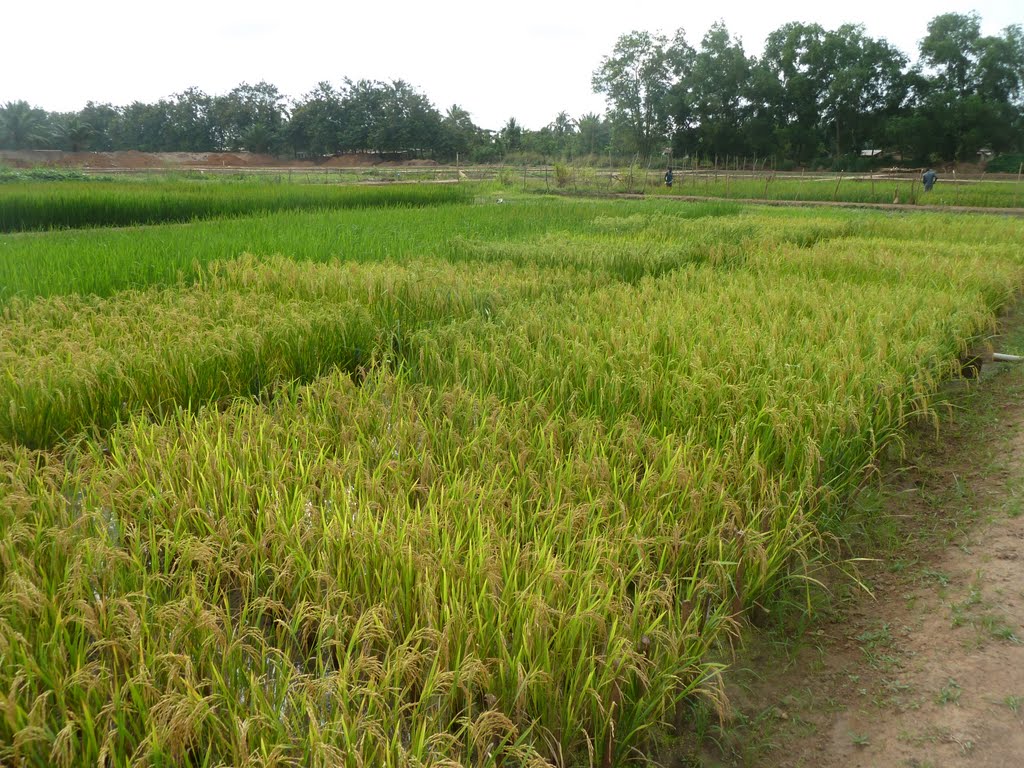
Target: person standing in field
x=928, y=179
x=668, y=178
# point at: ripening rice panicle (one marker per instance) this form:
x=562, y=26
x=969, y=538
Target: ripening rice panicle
x=498, y=503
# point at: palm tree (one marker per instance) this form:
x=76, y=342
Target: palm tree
x=512, y=135
x=461, y=133
x=590, y=128
x=76, y=133
x=563, y=127
x=21, y=125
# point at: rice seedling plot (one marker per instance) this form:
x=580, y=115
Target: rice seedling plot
x=51, y=205
x=519, y=539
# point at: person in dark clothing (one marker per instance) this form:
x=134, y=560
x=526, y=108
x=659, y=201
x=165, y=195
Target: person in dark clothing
x=668, y=178
x=928, y=179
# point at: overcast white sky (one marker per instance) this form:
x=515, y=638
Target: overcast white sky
x=529, y=58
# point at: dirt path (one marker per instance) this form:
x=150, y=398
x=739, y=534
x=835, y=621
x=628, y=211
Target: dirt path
x=930, y=670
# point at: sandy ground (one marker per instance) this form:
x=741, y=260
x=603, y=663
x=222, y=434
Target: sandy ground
x=928, y=669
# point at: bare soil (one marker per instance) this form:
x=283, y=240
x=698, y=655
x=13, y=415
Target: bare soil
x=928, y=668
x=132, y=160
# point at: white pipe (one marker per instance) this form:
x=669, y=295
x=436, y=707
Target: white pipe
x=998, y=357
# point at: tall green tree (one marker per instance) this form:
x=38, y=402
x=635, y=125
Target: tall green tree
x=251, y=117
x=190, y=123
x=636, y=80
x=716, y=88
x=103, y=118
x=317, y=122
x=408, y=122
x=973, y=87
x=458, y=134
x=864, y=85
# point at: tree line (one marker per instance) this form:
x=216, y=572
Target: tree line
x=818, y=96
x=814, y=96
x=357, y=116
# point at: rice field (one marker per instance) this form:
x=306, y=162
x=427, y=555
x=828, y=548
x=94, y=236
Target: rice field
x=859, y=188
x=70, y=204
x=479, y=484
x=879, y=188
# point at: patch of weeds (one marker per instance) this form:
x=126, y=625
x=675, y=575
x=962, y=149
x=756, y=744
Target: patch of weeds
x=941, y=578
x=990, y=624
x=950, y=693
x=746, y=739
x=860, y=739
x=896, y=686
x=962, y=610
x=832, y=704
x=997, y=628
x=873, y=644
x=1013, y=504
x=901, y=564
x=1014, y=702
x=873, y=638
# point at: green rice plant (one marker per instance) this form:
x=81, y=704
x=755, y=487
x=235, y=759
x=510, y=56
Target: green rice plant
x=949, y=191
x=599, y=435
x=249, y=326
x=102, y=262
x=374, y=560
x=51, y=205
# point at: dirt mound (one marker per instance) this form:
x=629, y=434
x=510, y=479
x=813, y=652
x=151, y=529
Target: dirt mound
x=354, y=160
x=233, y=160
x=133, y=159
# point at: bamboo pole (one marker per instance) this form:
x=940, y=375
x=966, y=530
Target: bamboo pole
x=835, y=192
